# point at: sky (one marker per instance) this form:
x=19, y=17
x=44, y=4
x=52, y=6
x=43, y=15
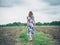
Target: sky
x=17, y=10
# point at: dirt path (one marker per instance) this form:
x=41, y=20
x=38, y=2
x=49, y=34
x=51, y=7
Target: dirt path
x=9, y=35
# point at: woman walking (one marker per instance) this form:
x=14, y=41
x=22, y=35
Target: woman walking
x=30, y=25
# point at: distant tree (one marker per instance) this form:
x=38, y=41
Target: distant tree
x=55, y=23
x=25, y=24
x=16, y=24
x=38, y=23
x=46, y=23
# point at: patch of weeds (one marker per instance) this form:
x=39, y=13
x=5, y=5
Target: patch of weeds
x=39, y=38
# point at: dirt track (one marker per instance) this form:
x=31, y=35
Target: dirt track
x=9, y=35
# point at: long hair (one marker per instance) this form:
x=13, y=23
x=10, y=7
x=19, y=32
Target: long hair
x=30, y=13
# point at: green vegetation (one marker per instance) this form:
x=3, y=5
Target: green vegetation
x=14, y=24
x=49, y=24
x=39, y=38
x=37, y=24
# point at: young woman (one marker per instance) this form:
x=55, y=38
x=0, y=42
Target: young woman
x=30, y=25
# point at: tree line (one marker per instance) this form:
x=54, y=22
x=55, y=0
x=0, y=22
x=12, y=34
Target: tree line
x=37, y=24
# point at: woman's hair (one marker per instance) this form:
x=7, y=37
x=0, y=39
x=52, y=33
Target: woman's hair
x=30, y=13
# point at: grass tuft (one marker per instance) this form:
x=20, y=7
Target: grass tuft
x=39, y=38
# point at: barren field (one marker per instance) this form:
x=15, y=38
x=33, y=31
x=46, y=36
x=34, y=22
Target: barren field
x=9, y=35
x=53, y=31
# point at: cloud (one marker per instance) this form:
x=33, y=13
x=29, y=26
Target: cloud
x=52, y=7
x=52, y=2
x=13, y=14
x=19, y=9
x=52, y=10
x=10, y=3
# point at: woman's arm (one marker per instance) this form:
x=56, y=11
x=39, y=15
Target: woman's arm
x=27, y=22
x=34, y=23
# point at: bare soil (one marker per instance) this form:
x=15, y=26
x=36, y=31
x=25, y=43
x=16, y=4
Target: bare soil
x=9, y=35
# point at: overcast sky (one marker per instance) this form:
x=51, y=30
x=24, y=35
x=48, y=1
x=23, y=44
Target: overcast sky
x=17, y=10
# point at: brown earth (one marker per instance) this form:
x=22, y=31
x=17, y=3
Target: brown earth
x=53, y=31
x=9, y=35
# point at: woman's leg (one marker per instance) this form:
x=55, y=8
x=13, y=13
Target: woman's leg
x=30, y=37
